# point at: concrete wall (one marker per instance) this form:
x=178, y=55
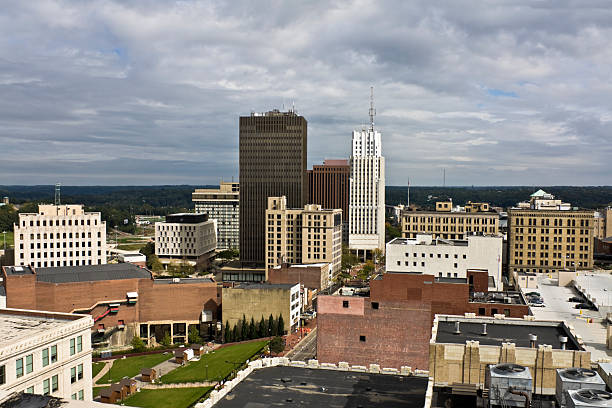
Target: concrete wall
x=256, y=303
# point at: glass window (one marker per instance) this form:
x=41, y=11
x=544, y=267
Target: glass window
x=45, y=357
x=74, y=396
x=2, y=375
x=72, y=347
x=29, y=363
x=80, y=372
x=73, y=375
x=46, y=387
x=19, y=367
x=79, y=345
x=81, y=395
x=30, y=390
x=54, y=383
x=53, y=354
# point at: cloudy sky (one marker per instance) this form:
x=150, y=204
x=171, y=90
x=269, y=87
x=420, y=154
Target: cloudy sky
x=149, y=92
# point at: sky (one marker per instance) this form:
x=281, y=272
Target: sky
x=149, y=92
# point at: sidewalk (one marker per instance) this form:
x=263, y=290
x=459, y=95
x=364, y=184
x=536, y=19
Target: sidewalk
x=107, y=366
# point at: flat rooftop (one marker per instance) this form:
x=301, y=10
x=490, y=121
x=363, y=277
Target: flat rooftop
x=504, y=331
x=264, y=285
x=182, y=281
x=186, y=218
x=293, y=386
x=597, y=288
x=508, y=298
x=17, y=325
x=90, y=273
x=434, y=242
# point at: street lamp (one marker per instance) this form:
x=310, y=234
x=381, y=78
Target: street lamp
x=4, y=233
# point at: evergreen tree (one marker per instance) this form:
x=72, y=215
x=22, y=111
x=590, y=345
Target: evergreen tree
x=262, y=328
x=280, y=326
x=227, y=332
x=271, y=329
x=235, y=334
x=252, y=329
x=273, y=326
x=244, y=329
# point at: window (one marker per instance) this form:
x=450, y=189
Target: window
x=345, y=303
x=2, y=375
x=72, y=347
x=19, y=367
x=74, y=396
x=29, y=363
x=81, y=395
x=79, y=344
x=481, y=311
x=493, y=311
x=53, y=354
x=362, y=338
x=45, y=357
x=54, y=383
x=46, y=387
x=73, y=378
x=374, y=305
x=30, y=390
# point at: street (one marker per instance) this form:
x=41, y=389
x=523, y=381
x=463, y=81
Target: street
x=305, y=350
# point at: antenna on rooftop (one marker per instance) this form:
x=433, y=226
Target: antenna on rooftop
x=372, y=110
x=444, y=177
x=57, y=193
x=408, y=198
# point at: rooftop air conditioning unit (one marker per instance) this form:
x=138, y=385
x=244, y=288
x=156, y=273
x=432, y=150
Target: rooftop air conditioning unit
x=588, y=398
x=501, y=379
x=575, y=379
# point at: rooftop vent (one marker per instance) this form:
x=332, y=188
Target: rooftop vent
x=457, y=328
x=576, y=378
x=484, y=329
x=532, y=340
x=508, y=369
x=589, y=398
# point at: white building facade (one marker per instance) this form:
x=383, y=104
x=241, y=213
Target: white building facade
x=367, y=190
x=60, y=235
x=186, y=236
x=222, y=205
x=447, y=258
x=46, y=353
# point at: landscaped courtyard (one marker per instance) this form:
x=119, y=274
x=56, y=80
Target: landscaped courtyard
x=130, y=366
x=216, y=365
x=172, y=397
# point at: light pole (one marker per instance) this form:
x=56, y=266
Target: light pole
x=4, y=239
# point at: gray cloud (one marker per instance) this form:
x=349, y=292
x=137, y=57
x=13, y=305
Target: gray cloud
x=149, y=92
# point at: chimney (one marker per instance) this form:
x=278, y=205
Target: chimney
x=563, y=341
x=484, y=329
x=457, y=330
x=532, y=340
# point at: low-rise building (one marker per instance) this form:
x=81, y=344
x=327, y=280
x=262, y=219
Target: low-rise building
x=137, y=259
x=222, y=205
x=60, y=235
x=447, y=258
x=262, y=300
x=312, y=276
x=185, y=237
x=46, y=353
x=308, y=235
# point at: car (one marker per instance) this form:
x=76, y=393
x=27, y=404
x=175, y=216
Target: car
x=532, y=294
x=537, y=305
x=538, y=301
x=576, y=299
x=585, y=306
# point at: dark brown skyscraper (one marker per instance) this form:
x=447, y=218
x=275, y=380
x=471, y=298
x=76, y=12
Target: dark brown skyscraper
x=328, y=185
x=272, y=164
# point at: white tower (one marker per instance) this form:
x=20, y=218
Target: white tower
x=367, y=184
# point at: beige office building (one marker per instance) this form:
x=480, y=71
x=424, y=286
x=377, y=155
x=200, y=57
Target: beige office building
x=223, y=205
x=549, y=240
x=60, y=235
x=46, y=353
x=450, y=223
x=302, y=236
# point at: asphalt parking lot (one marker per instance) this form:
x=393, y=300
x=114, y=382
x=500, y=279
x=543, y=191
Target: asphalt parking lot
x=558, y=308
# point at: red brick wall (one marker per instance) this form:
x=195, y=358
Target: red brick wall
x=498, y=308
x=22, y=289
x=310, y=277
x=480, y=280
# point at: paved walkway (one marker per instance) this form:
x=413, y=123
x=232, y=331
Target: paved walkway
x=305, y=349
x=148, y=386
x=107, y=366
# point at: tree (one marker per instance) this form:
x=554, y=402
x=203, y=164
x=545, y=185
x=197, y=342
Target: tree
x=166, y=341
x=194, y=335
x=281, y=326
x=349, y=259
x=235, y=334
x=252, y=329
x=148, y=249
x=277, y=345
x=262, y=328
x=227, y=332
x=366, y=271
x=154, y=264
x=379, y=257
x=272, y=326
x=137, y=344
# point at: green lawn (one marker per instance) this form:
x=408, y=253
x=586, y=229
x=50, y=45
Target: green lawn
x=131, y=247
x=218, y=367
x=96, y=368
x=173, y=397
x=9, y=239
x=130, y=366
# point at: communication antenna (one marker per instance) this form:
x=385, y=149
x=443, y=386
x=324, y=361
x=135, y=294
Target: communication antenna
x=372, y=110
x=408, y=200
x=444, y=177
x=57, y=193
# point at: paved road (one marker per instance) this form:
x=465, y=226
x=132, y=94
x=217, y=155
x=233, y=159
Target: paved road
x=305, y=350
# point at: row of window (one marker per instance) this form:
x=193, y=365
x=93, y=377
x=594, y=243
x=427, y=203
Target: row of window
x=63, y=235
x=431, y=255
x=25, y=365
x=70, y=244
x=557, y=222
x=452, y=220
x=406, y=263
x=51, y=223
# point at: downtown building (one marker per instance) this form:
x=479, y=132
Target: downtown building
x=273, y=152
x=367, y=191
x=222, y=205
x=60, y=235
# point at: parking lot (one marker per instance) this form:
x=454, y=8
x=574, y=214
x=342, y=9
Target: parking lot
x=557, y=307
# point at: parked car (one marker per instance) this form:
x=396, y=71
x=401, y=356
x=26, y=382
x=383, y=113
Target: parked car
x=538, y=301
x=537, y=305
x=532, y=294
x=585, y=306
x=576, y=299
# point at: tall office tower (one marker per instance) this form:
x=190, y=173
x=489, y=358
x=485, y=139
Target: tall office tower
x=272, y=164
x=223, y=205
x=60, y=235
x=367, y=186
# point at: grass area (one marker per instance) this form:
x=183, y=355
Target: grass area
x=96, y=368
x=130, y=366
x=172, y=397
x=9, y=239
x=217, y=362
x=96, y=391
x=128, y=240
x=131, y=247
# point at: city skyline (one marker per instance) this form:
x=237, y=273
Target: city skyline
x=106, y=93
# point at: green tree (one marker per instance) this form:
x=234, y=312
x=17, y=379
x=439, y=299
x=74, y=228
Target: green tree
x=227, y=333
x=166, y=341
x=148, y=249
x=194, y=335
x=262, y=328
x=280, y=326
x=366, y=271
x=391, y=232
x=154, y=263
x=252, y=329
x=272, y=326
x=349, y=259
x=277, y=344
x=235, y=334
x=8, y=217
x=244, y=329
x=137, y=344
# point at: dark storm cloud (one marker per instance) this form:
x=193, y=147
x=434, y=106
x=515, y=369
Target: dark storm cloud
x=149, y=92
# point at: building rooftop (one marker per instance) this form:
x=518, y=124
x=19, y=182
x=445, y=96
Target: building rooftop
x=423, y=240
x=18, y=270
x=598, y=289
x=264, y=285
x=314, y=265
x=186, y=218
x=17, y=325
x=500, y=331
x=90, y=273
x=178, y=281
x=293, y=386
x=508, y=298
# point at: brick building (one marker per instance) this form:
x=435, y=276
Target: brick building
x=123, y=299
x=313, y=276
x=391, y=327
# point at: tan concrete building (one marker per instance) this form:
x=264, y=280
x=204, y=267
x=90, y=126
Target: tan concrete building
x=459, y=358
x=302, y=236
x=223, y=205
x=262, y=300
x=60, y=235
x=449, y=223
x=603, y=223
x=549, y=240
x=46, y=353
x=185, y=237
